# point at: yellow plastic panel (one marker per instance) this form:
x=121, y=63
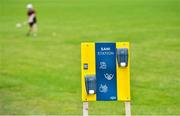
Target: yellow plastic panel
x=87, y=57
x=123, y=76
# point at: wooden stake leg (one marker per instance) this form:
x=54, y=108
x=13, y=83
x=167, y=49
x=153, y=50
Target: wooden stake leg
x=127, y=108
x=85, y=108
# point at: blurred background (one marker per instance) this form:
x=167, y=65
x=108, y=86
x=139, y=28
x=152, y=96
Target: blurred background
x=41, y=75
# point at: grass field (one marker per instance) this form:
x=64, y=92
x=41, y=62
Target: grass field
x=41, y=75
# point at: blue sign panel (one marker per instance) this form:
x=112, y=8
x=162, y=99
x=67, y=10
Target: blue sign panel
x=106, y=72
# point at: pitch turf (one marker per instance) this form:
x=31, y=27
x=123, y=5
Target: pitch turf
x=41, y=75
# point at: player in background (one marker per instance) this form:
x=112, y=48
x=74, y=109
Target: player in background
x=32, y=21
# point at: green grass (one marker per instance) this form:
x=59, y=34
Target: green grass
x=42, y=75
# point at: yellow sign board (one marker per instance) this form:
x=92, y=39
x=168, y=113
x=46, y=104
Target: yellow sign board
x=105, y=71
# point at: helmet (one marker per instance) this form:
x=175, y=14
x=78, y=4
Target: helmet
x=29, y=6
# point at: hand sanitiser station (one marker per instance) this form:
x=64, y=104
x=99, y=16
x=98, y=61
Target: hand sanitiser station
x=105, y=73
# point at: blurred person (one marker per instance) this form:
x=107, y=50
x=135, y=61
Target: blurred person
x=32, y=21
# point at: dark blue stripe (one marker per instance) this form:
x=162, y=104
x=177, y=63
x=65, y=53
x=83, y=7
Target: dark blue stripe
x=106, y=71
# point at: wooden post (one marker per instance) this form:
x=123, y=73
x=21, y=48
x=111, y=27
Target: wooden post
x=127, y=108
x=85, y=108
